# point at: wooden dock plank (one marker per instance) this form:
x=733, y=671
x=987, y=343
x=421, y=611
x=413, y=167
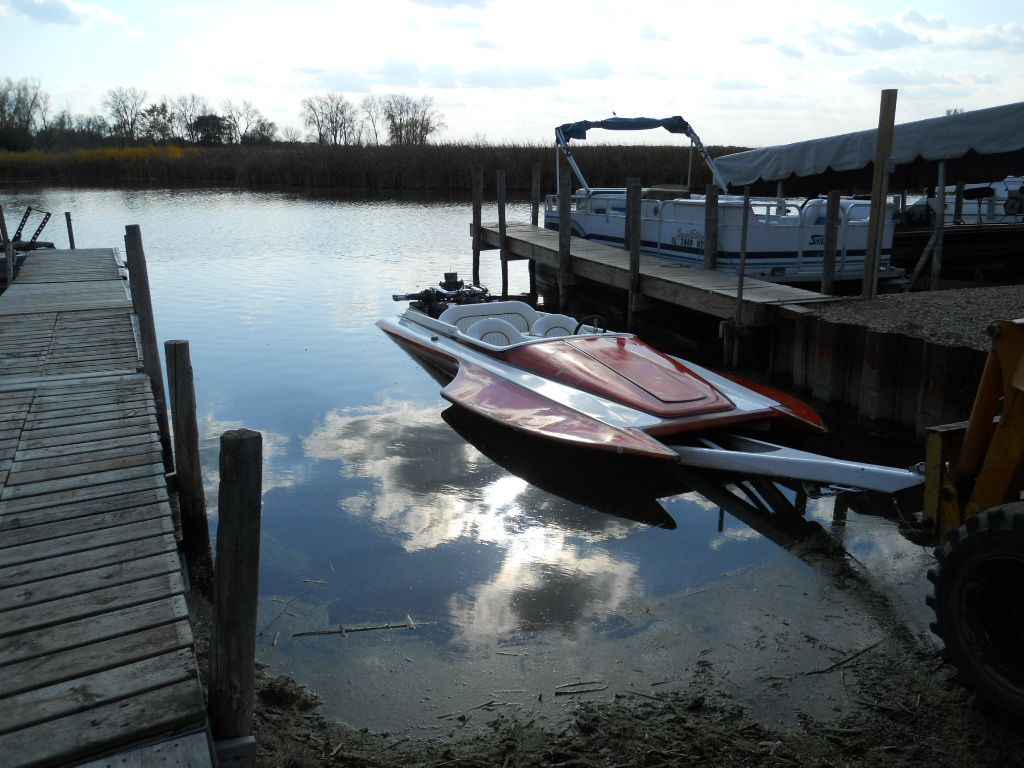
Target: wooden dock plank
x=162, y=712
x=96, y=654
x=702, y=290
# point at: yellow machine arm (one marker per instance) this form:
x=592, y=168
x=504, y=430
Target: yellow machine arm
x=979, y=465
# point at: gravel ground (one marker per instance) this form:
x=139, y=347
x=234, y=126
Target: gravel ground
x=957, y=317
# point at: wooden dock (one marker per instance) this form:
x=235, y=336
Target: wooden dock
x=702, y=290
x=97, y=664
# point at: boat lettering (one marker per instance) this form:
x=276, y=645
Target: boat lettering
x=817, y=240
x=692, y=239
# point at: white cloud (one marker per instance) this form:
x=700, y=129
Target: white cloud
x=66, y=12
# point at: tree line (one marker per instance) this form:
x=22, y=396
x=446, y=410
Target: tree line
x=131, y=119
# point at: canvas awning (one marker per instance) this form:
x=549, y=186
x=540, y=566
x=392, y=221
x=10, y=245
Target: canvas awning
x=979, y=146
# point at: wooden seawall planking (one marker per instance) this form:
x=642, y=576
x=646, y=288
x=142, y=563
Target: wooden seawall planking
x=96, y=649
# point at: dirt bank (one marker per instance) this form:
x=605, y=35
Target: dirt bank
x=903, y=708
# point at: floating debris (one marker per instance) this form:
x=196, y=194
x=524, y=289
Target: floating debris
x=346, y=631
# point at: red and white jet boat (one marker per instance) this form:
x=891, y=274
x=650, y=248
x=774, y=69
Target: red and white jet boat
x=553, y=377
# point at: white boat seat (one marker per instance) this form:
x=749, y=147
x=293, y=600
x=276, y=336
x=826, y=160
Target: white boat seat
x=520, y=314
x=554, y=325
x=496, y=332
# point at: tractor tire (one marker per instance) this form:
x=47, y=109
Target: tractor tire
x=978, y=600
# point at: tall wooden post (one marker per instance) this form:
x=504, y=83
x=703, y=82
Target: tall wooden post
x=195, y=528
x=142, y=302
x=71, y=231
x=502, y=236
x=711, y=227
x=8, y=248
x=564, y=238
x=535, y=195
x=934, y=283
x=634, y=218
x=478, y=197
x=879, y=192
x=236, y=590
x=828, y=267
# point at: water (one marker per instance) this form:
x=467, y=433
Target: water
x=381, y=506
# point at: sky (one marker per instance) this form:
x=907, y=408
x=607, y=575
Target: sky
x=742, y=73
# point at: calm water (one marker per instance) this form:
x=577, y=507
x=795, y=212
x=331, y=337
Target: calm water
x=382, y=507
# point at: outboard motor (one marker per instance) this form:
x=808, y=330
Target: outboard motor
x=451, y=290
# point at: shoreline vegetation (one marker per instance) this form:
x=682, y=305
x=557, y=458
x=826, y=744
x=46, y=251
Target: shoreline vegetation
x=424, y=168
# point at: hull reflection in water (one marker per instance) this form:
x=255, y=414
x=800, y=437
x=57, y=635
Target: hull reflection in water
x=624, y=486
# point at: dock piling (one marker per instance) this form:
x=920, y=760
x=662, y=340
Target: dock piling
x=236, y=591
x=71, y=231
x=188, y=470
x=8, y=248
x=143, y=305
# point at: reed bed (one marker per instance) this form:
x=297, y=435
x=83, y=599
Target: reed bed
x=432, y=168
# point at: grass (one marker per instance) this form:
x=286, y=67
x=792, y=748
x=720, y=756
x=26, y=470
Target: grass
x=429, y=168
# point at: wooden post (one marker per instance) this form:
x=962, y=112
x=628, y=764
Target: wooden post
x=502, y=236
x=71, y=231
x=195, y=530
x=935, y=283
x=634, y=218
x=236, y=588
x=8, y=248
x=711, y=227
x=732, y=356
x=958, y=203
x=879, y=192
x=828, y=267
x=564, y=236
x=535, y=196
x=478, y=197
x=143, y=305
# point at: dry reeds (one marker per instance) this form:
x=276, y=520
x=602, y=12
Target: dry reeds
x=435, y=168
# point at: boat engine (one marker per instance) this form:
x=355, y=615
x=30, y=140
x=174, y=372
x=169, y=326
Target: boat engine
x=450, y=291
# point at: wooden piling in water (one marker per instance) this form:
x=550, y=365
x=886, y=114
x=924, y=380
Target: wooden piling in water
x=8, y=247
x=235, y=593
x=143, y=305
x=71, y=231
x=634, y=219
x=478, y=197
x=195, y=528
x=828, y=267
x=711, y=227
x=564, y=235
x=502, y=234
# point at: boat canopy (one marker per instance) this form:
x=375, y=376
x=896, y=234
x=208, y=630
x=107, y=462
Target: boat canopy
x=977, y=146
x=579, y=129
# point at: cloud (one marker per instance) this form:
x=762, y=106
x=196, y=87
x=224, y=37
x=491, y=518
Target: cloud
x=486, y=45
x=650, y=33
x=592, y=69
x=993, y=38
x=481, y=4
x=789, y=51
x=914, y=17
x=762, y=40
x=735, y=84
x=66, y=12
x=889, y=77
x=523, y=76
x=343, y=82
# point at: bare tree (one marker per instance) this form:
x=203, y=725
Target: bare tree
x=373, y=117
x=410, y=121
x=186, y=110
x=332, y=118
x=124, y=106
x=156, y=123
x=23, y=106
x=291, y=134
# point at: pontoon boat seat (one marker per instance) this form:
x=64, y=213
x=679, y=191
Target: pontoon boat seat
x=520, y=314
x=495, y=331
x=554, y=325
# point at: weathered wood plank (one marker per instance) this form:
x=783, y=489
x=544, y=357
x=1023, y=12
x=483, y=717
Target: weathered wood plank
x=95, y=603
x=191, y=751
x=85, y=660
x=123, y=552
x=74, y=634
x=95, y=731
x=87, y=581
x=89, y=463
x=80, y=495
x=70, y=510
x=63, y=546
x=15, y=490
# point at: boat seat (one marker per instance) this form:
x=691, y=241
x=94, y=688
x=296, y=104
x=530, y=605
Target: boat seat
x=496, y=332
x=554, y=325
x=520, y=314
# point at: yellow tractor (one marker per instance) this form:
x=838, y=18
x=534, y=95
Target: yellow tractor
x=972, y=496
